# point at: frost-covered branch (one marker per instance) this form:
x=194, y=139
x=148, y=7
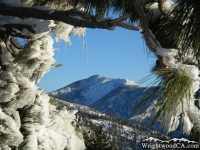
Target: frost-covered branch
x=68, y=16
x=150, y=39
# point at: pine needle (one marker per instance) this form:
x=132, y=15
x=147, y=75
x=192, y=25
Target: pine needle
x=173, y=86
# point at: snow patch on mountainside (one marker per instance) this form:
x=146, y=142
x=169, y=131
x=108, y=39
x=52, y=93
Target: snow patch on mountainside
x=90, y=90
x=109, y=95
x=101, y=88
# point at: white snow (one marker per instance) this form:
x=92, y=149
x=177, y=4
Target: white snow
x=168, y=3
x=63, y=31
x=6, y=57
x=107, y=85
x=166, y=52
x=2, y=83
x=10, y=129
x=187, y=124
x=39, y=26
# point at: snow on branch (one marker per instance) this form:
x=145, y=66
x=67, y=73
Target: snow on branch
x=150, y=39
x=164, y=6
x=72, y=17
x=152, y=43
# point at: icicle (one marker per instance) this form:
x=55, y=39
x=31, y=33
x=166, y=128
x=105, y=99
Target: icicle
x=58, y=43
x=84, y=46
x=65, y=45
x=186, y=123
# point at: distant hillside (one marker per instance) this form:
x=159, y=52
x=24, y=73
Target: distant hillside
x=112, y=96
x=124, y=134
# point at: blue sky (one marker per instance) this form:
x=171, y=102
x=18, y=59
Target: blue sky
x=119, y=53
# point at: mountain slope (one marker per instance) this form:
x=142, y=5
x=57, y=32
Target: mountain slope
x=112, y=96
x=124, y=134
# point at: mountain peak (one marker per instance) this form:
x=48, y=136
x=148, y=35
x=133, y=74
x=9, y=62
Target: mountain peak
x=97, y=76
x=106, y=79
x=102, y=92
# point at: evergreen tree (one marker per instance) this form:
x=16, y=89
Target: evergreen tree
x=97, y=141
x=102, y=139
x=134, y=142
x=89, y=141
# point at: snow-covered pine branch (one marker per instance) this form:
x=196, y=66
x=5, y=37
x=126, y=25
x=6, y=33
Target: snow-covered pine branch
x=72, y=17
x=27, y=119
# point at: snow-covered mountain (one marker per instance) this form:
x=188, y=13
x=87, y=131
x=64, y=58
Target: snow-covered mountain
x=112, y=96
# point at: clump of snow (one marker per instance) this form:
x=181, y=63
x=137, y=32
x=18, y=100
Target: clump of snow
x=171, y=60
x=9, y=128
x=129, y=82
x=63, y=31
x=37, y=25
x=50, y=127
x=62, y=128
x=166, y=52
x=186, y=123
x=168, y=3
x=8, y=92
x=192, y=71
x=2, y=83
x=6, y=57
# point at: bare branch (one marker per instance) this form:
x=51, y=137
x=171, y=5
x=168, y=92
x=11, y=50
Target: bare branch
x=57, y=65
x=118, y=22
x=127, y=26
x=71, y=17
x=121, y=18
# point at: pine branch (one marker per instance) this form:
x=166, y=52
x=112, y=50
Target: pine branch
x=148, y=36
x=72, y=17
x=150, y=39
x=15, y=30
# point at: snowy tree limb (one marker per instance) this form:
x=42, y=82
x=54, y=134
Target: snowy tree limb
x=15, y=29
x=18, y=27
x=67, y=16
x=150, y=39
